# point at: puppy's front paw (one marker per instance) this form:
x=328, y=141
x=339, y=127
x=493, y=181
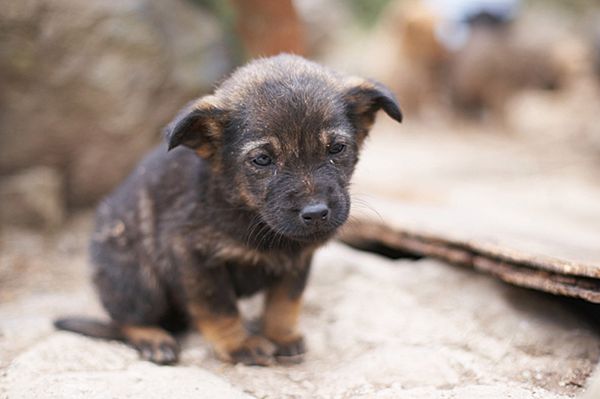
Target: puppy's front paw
x=291, y=351
x=254, y=351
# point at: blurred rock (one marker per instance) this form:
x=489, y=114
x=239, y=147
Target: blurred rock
x=596, y=47
x=87, y=85
x=33, y=198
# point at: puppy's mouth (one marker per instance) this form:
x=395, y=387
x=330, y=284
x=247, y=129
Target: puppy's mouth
x=313, y=236
x=295, y=231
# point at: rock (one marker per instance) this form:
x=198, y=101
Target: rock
x=593, y=386
x=45, y=371
x=33, y=198
x=88, y=85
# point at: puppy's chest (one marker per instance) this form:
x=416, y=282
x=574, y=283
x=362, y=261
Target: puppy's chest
x=251, y=272
x=248, y=280
x=244, y=258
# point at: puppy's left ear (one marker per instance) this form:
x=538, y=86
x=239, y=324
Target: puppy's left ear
x=198, y=126
x=364, y=97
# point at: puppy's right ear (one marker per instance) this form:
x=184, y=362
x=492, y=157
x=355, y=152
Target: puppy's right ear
x=198, y=126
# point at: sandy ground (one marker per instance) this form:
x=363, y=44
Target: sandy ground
x=376, y=328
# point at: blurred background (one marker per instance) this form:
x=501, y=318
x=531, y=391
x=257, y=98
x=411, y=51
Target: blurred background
x=86, y=86
x=501, y=140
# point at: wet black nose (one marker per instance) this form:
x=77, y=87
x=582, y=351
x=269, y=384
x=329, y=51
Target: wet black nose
x=314, y=214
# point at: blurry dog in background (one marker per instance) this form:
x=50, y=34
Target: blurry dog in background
x=471, y=59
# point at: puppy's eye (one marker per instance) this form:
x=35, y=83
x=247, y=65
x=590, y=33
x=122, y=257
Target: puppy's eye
x=336, y=148
x=262, y=160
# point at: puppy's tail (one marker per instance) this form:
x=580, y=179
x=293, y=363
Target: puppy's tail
x=90, y=327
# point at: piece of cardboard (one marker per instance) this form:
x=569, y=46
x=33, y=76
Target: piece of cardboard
x=499, y=205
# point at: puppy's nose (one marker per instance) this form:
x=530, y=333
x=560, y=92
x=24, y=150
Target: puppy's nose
x=314, y=214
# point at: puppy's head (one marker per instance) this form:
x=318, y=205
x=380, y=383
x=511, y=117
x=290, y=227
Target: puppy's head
x=282, y=136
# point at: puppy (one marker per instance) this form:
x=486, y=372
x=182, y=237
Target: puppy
x=255, y=180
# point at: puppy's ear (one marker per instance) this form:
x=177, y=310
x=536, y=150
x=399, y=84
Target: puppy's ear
x=364, y=98
x=198, y=125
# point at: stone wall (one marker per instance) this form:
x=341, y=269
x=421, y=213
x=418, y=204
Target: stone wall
x=86, y=87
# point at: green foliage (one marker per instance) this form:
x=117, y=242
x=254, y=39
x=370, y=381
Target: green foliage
x=367, y=12
x=222, y=9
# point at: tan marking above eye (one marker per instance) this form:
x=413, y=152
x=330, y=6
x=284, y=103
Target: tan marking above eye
x=328, y=136
x=251, y=145
x=254, y=144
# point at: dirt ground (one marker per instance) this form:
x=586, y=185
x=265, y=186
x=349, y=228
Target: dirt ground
x=375, y=327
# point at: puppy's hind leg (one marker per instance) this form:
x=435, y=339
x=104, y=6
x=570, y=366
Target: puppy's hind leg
x=153, y=343
x=137, y=301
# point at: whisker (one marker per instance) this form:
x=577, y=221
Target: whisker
x=363, y=204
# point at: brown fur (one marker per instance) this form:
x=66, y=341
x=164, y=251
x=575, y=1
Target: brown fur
x=281, y=315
